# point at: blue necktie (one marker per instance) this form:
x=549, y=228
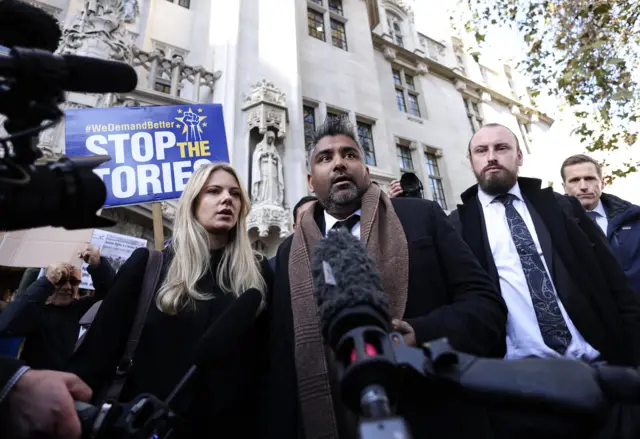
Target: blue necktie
x=553, y=328
x=593, y=215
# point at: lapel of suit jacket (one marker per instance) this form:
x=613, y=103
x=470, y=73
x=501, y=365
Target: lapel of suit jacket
x=545, y=204
x=474, y=231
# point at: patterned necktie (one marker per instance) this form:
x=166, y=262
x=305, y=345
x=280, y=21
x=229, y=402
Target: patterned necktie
x=553, y=328
x=347, y=224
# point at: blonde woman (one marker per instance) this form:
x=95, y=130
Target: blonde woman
x=209, y=263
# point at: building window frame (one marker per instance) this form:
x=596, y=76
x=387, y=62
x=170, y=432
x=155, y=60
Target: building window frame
x=315, y=19
x=336, y=7
x=364, y=129
x=525, y=133
x=434, y=175
x=396, y=31
x=309, y=123
x=474, y=113
x=404, y=155
x=407, y=94
x=338, y=34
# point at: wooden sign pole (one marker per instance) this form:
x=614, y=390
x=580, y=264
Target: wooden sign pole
x=158, y=225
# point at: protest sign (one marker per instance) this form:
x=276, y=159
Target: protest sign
x=115, y=248
x=154, y=149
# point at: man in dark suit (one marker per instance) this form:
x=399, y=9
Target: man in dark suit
x=301, y=206
x=435, y=286
x=567, y=296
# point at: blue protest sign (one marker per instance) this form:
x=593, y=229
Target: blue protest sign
x=154, y=150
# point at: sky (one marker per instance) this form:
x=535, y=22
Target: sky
x=432, y=19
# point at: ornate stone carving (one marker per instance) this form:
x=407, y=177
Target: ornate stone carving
x=389, y=54
x=535, y=118
x=264, y=217
x=485, y=97
x=131, y=11
x=403, y=5
x=422, y=69
x=266, y=107
x=515, y=110
x=98, y=31
x=168, y=210
x=460, y=85
x=267, y=179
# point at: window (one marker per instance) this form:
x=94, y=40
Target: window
x=435, y=179
x=365, y=136
x=473, y=114
x=395, y=28
x=525, y=131
x=404, y=158
x=406, y=92
x=183, y=3
x=309, y=125
x=338, y=34
x=316, y=24
x=400, y=102
x=335, y=116
x=336, y=6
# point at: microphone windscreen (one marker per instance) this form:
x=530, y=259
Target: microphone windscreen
x=229, y=329
x=24, y=25
x=344, y=276
x=95, y=75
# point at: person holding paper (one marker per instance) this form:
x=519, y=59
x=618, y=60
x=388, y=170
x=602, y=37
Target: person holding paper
x=47, y=313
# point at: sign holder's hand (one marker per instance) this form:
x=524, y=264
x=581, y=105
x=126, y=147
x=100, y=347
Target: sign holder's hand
x=90, y=254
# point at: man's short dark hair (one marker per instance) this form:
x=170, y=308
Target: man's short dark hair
x=578, y=159
x=494, y=125
x=334, y=126
x=304, y=200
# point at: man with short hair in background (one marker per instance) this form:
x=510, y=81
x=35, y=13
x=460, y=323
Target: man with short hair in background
x=301, y=206
x=618, y=219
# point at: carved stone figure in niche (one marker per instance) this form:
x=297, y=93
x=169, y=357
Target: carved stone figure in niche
x=267, y=181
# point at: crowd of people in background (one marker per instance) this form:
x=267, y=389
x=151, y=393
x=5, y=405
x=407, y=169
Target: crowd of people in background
x=516, y=271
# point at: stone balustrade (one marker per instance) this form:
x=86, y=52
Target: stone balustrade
x=170, y=75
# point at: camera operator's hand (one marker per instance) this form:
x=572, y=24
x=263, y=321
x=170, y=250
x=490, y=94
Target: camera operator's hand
x=41, y=405
x=406, y=330
x=90, y=254
x=395, y=190
x=57, y=272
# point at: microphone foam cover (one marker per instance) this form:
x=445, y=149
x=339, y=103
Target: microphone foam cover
x=353, y=273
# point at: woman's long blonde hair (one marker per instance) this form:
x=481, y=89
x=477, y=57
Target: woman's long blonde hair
x=239, y=267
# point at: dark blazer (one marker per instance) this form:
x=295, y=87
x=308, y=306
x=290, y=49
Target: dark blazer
x=589, y=280
x=8, y=368
x=449, y=295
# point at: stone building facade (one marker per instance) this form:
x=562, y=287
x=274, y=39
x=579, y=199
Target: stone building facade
x=283, y=67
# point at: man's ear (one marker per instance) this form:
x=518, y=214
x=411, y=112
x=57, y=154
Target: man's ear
x=310, y=183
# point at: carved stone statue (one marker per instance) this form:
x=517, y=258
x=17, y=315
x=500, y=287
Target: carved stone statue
x=267, y=181
x=130, y=11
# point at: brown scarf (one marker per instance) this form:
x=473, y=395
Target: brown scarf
x=383, y=235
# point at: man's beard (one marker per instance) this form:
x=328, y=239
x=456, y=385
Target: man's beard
x=338, y=199
x=497, y=184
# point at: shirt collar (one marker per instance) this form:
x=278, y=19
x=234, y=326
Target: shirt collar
x=599, y=209
x=486, y=199
x=330, y=221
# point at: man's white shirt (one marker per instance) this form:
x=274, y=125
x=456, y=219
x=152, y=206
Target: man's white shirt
x=330, y=221
x=601, y=217
x=523, y=332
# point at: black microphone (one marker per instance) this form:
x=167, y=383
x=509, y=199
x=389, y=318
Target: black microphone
x=354, y=316
x=68, y=72
x=27, y=26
